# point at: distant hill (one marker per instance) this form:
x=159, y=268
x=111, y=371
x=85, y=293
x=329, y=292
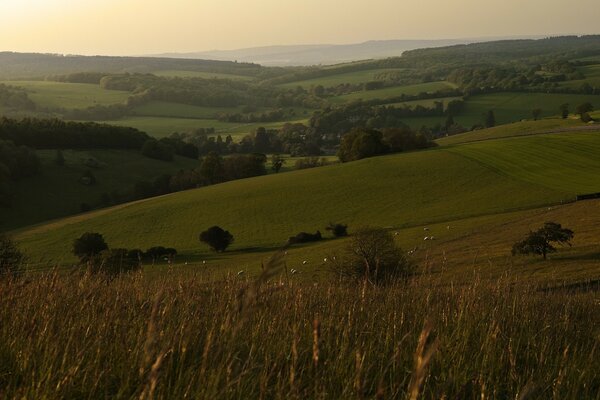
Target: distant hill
x=302, y=55
x=35, y=65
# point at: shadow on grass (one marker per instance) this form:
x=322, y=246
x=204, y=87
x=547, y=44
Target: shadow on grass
x=592, y=285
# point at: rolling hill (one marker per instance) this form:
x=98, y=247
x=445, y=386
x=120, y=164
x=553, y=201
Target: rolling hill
x=400, y=191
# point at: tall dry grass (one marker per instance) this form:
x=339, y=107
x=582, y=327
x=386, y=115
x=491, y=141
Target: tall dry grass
x=178, y=337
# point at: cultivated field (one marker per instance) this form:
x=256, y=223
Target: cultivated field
x=340, y=79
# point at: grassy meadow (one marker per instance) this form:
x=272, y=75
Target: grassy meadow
x=69, y=95
x=393, y=91
x=399, y=191
x=356, y=77
x=187, y=336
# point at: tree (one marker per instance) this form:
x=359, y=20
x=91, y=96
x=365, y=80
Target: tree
x=338, y=230
x=217, y=238
x=373, y=255
x=113, y=262
x=490, y=119
x=564, y=110
x=540, y=241
x=536, y=112
x=59, y=158
x=361, y=143
x=88, y=245
x=10, y=256
x=449, y=121
x=211, y=169
x=584, y=108
x=277, y=162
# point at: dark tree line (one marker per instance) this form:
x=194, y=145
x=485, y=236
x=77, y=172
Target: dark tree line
x=16, y=163
x=363, y=143
x=213, y=169
x=58, y=134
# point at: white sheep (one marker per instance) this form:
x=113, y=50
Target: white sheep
x=304, y=262
x=240, y=273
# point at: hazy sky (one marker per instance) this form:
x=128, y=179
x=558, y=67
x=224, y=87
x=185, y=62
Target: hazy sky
x=123, y=27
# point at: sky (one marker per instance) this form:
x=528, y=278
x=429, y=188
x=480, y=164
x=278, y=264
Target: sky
x=135, y=27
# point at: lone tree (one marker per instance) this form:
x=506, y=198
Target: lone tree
x=490, y=119
x=10, y=256
x=217, y=238
x=88, y=245
x=564, y=110
x=540, y=241
x=338, y=230
x=372, y=255
x=583, y=110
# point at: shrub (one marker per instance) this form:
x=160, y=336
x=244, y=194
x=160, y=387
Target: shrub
x=113, y=262
x=373, y=255
x=304, y=237
x=158, y=252
x=10, y=256
x=338, y=230
x=217, y=238
x=88, y=245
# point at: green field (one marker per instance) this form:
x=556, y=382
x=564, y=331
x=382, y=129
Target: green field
x=177, y=110
x=200, y=74
x=399, y=190
x=392, y=92
x=508, y=108
x=521, y=128
x=340, y=79
x=69, y=95
x=57, y=192
x=592, y=76
x=164, y=126
x=429, y=103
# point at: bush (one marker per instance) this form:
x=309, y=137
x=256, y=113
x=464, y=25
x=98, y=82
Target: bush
x=304, y=237
x=113, y=262
x=10, y=256
x=157, y=252
x=338, y=230
x=152, y=148
x=217, y=238
x=373, y=255
x=89, y=245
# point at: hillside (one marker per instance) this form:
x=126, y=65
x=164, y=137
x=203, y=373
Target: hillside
x=401, y=190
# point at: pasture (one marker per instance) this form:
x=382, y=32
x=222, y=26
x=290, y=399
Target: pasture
x=393, y=91
x=200, y=74
x=354, y=78
x=49, y=94
x=397, y=191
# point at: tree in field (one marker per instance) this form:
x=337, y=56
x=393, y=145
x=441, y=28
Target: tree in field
x=541, y=241
x=583, y=110
x=536, y=112
x=217, y=238
x=88, y=245
x=338, y=230
x=10, y=256
x=277, y=162
x=490, y=119
x=564, y=110
x=372, y=255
